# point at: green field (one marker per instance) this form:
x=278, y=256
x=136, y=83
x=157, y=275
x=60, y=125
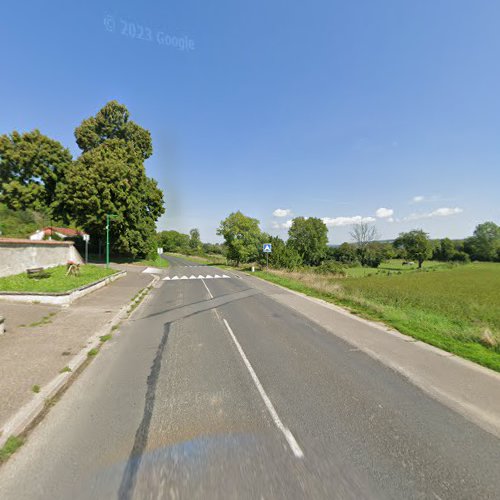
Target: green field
x=394, y=266
x=56, y=280
x=206, y=260
x=454, y=308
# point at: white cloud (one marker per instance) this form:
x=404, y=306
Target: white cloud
x=282, y=212
x=281, y=225
x=346, y=221
x=383, y=213
x=444, y=212
x=440, y=212
x=418, y=199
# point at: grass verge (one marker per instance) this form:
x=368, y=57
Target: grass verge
x=56, y=280
x=157, y=261
x=208, y=260
x=456, y=310
x=12, y=444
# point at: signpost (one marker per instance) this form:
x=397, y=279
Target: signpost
x=267, y=248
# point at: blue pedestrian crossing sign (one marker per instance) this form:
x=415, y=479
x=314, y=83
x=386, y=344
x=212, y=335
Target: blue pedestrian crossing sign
x=267, y=247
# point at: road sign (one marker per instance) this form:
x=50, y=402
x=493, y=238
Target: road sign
x=267, y=248
x=86, y=237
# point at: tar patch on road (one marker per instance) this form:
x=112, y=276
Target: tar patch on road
x=141, y=436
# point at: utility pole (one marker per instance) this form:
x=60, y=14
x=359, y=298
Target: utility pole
x=108, y=217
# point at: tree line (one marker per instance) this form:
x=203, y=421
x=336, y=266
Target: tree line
x=39, y=174
x=188, y=244
x=307, y=245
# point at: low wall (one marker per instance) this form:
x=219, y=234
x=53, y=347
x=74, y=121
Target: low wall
x=17, y=255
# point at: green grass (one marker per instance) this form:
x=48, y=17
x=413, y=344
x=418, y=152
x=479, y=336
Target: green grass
x=12, y=444
x=395, y=266
x=155, y=262
x=44, y=321
x=93, y=352
x=209, y=260
x=65, y=369
x=105, y=338
x=450, y=309
x=56, y=282
x=36, y=388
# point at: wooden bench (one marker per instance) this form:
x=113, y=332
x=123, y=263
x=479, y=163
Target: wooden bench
x=37, y=272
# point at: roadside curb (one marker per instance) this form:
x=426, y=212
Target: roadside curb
x=61, y=298
x=26, y=415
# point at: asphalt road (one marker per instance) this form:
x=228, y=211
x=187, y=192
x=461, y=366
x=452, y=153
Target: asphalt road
x=215, y=390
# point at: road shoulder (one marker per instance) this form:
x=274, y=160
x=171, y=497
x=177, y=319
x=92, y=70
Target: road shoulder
x=45, y=346
x=467, y=388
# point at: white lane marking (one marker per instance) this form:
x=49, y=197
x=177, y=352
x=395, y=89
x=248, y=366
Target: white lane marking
x=193, y=277
x=209, y=292
x=294, y=446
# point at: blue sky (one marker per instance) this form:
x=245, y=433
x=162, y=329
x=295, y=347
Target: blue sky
x=329, y=108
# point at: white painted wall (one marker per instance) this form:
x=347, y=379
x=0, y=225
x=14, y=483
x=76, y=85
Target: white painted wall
x=18, y=255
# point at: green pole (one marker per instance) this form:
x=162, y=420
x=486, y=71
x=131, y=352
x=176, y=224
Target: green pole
x=107, y=241
x=108, y=217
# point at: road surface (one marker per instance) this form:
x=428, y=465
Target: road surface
x=216, y=390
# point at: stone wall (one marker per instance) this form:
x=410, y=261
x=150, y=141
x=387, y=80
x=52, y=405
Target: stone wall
x=17, y=255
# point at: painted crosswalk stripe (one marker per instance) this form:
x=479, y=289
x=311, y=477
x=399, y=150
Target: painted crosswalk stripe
x=199, y=277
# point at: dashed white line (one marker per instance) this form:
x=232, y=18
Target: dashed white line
x=294, y=446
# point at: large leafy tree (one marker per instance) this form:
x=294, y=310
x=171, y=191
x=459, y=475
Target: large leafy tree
x=112, y=122
x=485, y=243
x=242, y=237
x=309, y=238
x=282, y=256
x=109, y=178
x=173, y=241
x=194, y=239
x=416, y=245
x=31, y=165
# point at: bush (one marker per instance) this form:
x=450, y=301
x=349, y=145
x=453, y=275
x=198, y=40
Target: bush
x=330, y=267
x=461, y=257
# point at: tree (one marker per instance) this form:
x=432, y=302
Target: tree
x=445, y=251
x=485, y=243
x=376, y=253
x=112, y=122
x=173, y=241
x=109, y=178
x=194, y=240
x=416, y=245
x=309, y=238
x=31, y=166
x=363, y=234
x=282, y=256
x=345, y=253
x=242, y=237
